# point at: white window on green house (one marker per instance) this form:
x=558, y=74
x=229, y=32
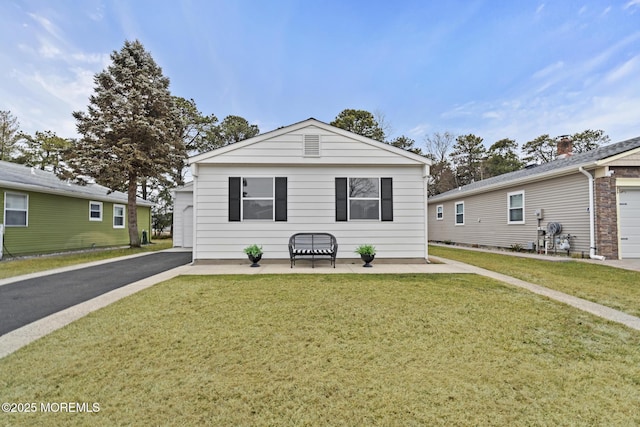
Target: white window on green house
x=16, y=209
x=459, y=213
x=118, y=216
x=515, y=202
x=439, y=212
x=95, y=211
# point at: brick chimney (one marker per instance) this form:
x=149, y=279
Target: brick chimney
x=564, y=147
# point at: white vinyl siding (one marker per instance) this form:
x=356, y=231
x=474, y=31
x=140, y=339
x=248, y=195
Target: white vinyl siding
x=16, y=209
x=311, y=208
x=95, y=211
x=515, y=208
x=183, y=206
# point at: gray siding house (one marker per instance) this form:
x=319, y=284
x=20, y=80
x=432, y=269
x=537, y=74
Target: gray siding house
x=307, y=177
x=581, y=203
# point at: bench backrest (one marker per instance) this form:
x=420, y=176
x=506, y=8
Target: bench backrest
x=312, y=241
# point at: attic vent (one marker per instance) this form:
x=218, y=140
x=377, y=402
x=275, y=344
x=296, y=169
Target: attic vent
x=311, y=146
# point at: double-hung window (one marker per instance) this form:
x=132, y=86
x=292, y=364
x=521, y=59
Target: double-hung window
x=439, y=212
x=16, y=209
x=459, y=213
x=257, y=198
x=364, y=199
x=95, y=211
x=118, y=216
x=515, y=208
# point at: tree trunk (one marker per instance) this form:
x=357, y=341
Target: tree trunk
x=132, y=211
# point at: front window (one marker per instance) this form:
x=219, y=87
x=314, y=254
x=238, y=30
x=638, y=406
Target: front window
x=16, y=210
x=439, y=212
x=257, y=198
x=95, y=211
x=460, y=213
x=364, y=198
x=118, y=216
x=516, y=207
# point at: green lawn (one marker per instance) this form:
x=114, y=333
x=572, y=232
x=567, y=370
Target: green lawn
x=332, y=350
x=20, y=266
x=613, y=287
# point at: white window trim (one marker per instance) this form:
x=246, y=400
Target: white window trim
x=509, y=208
x=5, y=209
x=92, y=202
x=439, y=212
x=379, y=199
x=272, y=198
x=455, y=213
x=124, y=216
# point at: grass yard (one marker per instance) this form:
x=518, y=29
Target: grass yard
x=20, y=266
x=613, y=287
x=332, y=350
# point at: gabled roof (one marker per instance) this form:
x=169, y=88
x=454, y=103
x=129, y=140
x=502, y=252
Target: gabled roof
x=559, y=167
x=24, y=178
x=300, y=125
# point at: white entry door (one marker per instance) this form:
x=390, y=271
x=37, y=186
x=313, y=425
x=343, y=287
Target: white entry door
x=187, y=227
x=629, y=208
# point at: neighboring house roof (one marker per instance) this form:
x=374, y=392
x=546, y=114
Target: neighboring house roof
x=300, y=125
x=25, y=178
x=187, y=188
x=589, y=159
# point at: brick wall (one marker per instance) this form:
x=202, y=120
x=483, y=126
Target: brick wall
x=606, y=223
x=606, y=219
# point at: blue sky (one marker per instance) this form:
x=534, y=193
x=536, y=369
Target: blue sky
x=496, y=69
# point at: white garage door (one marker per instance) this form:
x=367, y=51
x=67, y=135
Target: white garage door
x=629, y=223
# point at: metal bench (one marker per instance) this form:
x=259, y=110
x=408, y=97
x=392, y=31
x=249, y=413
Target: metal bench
x=313, y=246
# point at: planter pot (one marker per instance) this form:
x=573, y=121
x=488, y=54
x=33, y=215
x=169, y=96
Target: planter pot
x=255, y=259
x=367, y=260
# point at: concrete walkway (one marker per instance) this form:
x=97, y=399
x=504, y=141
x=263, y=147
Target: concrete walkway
x=18, y=338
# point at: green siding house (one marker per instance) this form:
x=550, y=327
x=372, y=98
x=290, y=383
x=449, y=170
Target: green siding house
x=43, y=214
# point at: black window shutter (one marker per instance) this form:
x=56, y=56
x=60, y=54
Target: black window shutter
x=281, y=198
x=341, y=199
x=386, y=191
x=234, y=198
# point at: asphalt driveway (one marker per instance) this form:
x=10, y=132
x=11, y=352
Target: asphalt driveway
x=29, y=300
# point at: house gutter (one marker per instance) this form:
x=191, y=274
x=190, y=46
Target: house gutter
x=592, y=220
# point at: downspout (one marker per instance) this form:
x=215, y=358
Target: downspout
x=592, y=218
x=425, y=196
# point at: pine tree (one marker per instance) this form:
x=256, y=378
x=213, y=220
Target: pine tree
x=9, y=135
x=131, y=130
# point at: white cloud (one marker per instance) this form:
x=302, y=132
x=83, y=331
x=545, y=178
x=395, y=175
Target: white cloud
x=627, y=69
x=539, y=9
x=631, y=4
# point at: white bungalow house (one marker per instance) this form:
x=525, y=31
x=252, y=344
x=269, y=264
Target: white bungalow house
x=306, y=177
x=581, y=203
